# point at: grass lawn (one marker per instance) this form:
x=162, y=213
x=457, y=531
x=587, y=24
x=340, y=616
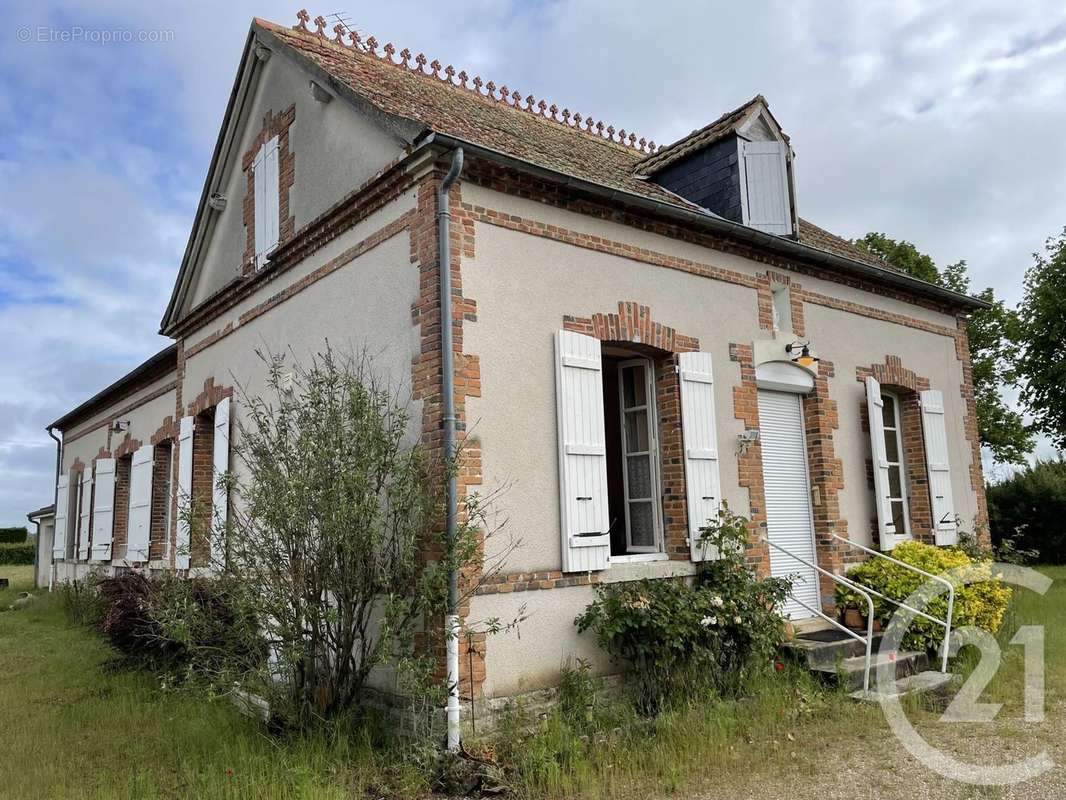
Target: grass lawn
x=76, y=729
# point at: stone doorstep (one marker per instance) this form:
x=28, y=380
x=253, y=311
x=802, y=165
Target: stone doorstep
x=919, y=683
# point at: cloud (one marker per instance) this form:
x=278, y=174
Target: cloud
x=926, y=122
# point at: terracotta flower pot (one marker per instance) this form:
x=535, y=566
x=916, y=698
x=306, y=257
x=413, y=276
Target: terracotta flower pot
x=854, y=619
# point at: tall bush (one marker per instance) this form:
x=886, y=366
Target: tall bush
x=981, y=603
x=13, y=535
x=17, y=554
x=334, y=537
x=1028, y=508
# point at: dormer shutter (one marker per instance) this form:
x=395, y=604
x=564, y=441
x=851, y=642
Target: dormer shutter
x=764, y=187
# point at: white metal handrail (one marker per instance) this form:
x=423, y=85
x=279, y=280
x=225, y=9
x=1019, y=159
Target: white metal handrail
x=869, y=638
x=946, y=623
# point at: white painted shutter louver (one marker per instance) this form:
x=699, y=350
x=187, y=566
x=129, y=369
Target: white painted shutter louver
x=220, y=461
x=59, y=537
x=104, y=509
x=273, y=198
x=140, y=516
x=886, y=529
x=86, y=511
x=699, y=431
x=945, y=528
x=766, y=187
x=586, y=541
x=184, y=490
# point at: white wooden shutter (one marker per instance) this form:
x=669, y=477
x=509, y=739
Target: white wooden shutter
x=273, y=195
x=104, y=509
x=700, y=435
x=220, y=461
x=259, y=204
x=945, y=528
x=59, y=537
x=86, y=513
x=586, y=541
x=139, y=526
x=886, y=528
x=184, y=490
x=766, y=195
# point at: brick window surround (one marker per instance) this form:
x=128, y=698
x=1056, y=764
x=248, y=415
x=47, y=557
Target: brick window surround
x=904, y=385
x=273, y=125
x=634, y=325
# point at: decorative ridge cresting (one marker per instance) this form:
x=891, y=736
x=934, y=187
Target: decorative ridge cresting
x=461, y=80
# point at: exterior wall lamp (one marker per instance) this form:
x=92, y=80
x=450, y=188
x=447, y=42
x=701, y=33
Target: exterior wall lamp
x=804, y=359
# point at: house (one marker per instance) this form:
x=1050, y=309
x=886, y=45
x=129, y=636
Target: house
x=640, y=333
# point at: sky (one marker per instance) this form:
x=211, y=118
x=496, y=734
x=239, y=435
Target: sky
x=935, y=122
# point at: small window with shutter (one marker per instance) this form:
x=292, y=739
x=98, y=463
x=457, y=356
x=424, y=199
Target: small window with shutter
x=267, y=199
x=765, y=197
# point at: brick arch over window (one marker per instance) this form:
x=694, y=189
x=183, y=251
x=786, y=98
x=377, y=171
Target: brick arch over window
x=634, y=324
x=906, y=385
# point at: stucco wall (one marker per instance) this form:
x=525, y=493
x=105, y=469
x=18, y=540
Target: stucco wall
x=524, y=285
x=336, y=150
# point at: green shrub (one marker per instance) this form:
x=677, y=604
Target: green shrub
x=13, y=535
x=981, y=603
x=670, y=633
x=17, y=554
x=1027, y=510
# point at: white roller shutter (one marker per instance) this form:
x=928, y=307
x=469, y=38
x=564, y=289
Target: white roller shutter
x=586, y=541
x=700, y=435
x=184, y=491
x=86, y=511
x=104, y=509
x=59, y=537
x=766, y=195
x=220, y=461
x=945, y=527
x=140, y=516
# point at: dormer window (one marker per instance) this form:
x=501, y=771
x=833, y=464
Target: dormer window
x=764, y=192
x=267, y=196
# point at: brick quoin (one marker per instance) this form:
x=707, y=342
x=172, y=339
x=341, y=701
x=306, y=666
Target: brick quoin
x=120, y=534
x=749, y=459
x=162, y=459
x=203, y=437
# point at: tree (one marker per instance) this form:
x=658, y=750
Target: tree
x=1043, y=328
x=994, y=336
x=334, y=537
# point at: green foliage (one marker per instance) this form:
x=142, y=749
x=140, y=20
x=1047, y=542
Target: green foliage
x=13, y=535
x=17, y=554
x=900, y=254
x=994, y=336
x=981, y=603
x=80, y=601
x=670, y=633
x=1043, y=323
x=1028, y=510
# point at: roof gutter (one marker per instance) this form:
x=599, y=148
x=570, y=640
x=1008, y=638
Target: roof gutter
x=768, y=241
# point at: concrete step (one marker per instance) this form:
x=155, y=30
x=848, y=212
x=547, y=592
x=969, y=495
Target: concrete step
x=919, y=683
x=826, y=648
x=850, y=671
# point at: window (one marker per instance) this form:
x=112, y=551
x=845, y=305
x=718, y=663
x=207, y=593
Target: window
x=267, y=197
x=765, y=197
x=897, y=491
x=634, y=496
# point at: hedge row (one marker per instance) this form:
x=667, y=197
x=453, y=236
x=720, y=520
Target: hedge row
x=17, y=554
x=13, y=535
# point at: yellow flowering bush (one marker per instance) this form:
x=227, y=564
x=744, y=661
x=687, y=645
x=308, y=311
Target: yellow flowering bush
x=981, y=601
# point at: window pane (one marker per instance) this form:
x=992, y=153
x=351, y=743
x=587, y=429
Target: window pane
x=898, y=517
x=636, y=431
x=894, y=482
x=639, y=468
x=888, y=411
x=891, y=446
x=641, y=525
x=633, y=388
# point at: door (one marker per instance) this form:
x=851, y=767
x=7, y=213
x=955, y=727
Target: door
x=789, y=522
